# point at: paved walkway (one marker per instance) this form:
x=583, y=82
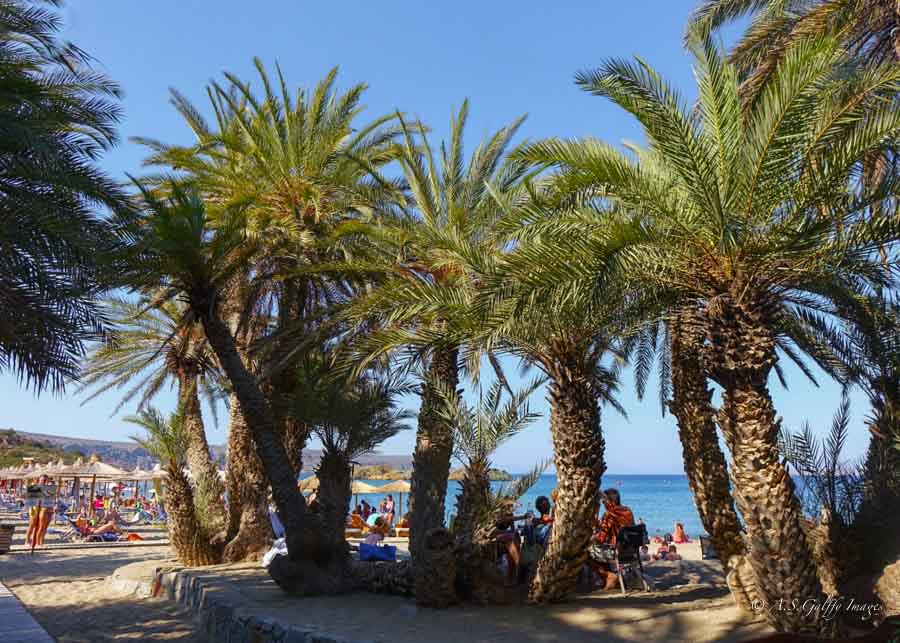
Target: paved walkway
x=16, y=624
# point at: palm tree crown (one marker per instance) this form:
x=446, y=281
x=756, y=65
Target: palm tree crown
x=56, y=117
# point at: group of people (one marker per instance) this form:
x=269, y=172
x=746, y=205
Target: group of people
x=602, y=553
x=386, y=510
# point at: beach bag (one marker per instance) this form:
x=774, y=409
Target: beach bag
x=369, y=553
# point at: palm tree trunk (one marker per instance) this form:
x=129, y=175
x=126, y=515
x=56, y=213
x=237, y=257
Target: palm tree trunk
x=431, y=468
x=740, y=355
x=191, y=545
x=704, y=462
x=249, y=533
x=471, y=502
x=578, y=448
x=208, y=488
x=334, y=496
x=310, y=567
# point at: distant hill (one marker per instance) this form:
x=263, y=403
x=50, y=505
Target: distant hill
x=128, y=455
x=14, y=446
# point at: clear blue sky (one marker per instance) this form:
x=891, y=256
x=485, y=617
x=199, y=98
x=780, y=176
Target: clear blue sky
x=424, y=58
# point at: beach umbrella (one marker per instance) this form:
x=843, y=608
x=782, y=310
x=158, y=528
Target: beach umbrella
x=308, y=484
x=359, y=487
x=399, y=487
x=95, y=468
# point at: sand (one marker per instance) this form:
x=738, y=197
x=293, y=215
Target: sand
x=69, y=592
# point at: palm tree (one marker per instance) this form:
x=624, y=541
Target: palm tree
x=299, y=166
x=478, y=433
x=867, y=28
x=572, y=346
x=167, y=440
x=57, y=116
x=173, y=245
x=704, y=461
x=148, y=346
x=427, y=258
x=752, y=213
x=350, y=419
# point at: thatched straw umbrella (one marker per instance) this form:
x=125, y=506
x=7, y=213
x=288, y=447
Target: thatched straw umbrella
x=399, y=487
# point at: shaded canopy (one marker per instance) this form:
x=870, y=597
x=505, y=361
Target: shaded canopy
x=96, y=467
x=359, y=487
x=397, y=486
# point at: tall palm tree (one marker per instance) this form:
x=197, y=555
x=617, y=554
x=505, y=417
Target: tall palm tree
x=167, y=440
x=753, y=213
x=427, y=257
x=57, y=116
x=297, y=165
x=581, y=352
x=173, y=245
x=148, y=347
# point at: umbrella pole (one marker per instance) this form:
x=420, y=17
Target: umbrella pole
x=93, y=487
x=56, y=499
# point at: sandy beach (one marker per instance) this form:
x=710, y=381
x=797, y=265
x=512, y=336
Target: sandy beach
x=72, y=595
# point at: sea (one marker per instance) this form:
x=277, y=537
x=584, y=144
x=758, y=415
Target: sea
x=659, y=500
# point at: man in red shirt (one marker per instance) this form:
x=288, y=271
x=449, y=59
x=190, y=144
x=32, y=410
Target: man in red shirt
x=614, y=518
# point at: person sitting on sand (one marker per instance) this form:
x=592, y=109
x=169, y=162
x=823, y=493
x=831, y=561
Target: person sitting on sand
x=602, y=552
x=680, y=537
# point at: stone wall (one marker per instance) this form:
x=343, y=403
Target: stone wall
x=219, y=614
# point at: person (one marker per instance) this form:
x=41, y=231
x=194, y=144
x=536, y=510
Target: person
x=379, y=529
x=673, y=553
x=382, y=506
x=313, y=503
x=680, y=537
x=404, y=521
x=388, y=512
x=109, y=527
x=509, y=540
x=662, y=552
x=602, y=552
x=366, y=510
x=645, y=554
x=357, y=510
x=537, y=529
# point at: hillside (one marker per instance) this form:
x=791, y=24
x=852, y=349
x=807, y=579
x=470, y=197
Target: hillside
x=14, y=446
x=128, y=455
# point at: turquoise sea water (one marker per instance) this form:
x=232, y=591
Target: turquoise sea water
x=660, y=500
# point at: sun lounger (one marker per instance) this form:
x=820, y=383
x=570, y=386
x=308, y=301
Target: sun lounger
x=401, y=532
x=352, y=532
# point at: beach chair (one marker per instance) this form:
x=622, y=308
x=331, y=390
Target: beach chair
x=74, y=532
x=628, y=554
x=707, y=551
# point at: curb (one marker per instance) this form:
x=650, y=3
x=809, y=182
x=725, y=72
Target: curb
x=219, y=613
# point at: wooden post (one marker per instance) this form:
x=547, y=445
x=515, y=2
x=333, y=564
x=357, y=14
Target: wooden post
x=93, y=486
